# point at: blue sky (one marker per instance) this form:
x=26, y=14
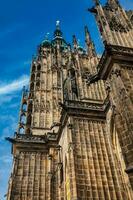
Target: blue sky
x=23, y=25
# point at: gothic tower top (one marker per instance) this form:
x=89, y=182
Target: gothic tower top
x=58, y=36
x=114, y=24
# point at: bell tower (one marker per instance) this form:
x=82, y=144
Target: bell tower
x=115, y=68
x=114, y=25
x=74, y=139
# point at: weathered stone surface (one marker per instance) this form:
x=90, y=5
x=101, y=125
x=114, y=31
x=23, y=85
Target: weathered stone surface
x=75, y=136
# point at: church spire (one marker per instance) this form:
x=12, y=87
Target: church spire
x=90, y=45
x=58, y=33
x=75, y=42
x=58, y=25
x=58, y=39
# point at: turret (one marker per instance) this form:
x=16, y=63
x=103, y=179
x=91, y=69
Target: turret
x=113, y=23
x=75, y=43
x=90, y=45
x=23, y=112
x=58, y=33
x=58, y=37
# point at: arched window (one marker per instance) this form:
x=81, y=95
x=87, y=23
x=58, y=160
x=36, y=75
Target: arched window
x=73, y=83
x=38, y=76
x=33, y=77
x=38, y=85
x=23, y=119
x=30, y=107
x=29, y=120
x=32, y=86
x=28, y=130
x=72, y=73
x=21, y=130
x=33, y=68
x=31, y=95
x=24, y=107
x=39, y=67
x=59, y=79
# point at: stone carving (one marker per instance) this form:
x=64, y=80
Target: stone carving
x=70, y=126
x=87, y=161
x=36, y=106
x=42, y=121
x=28, y=138
x=48, y=106
x=123, y=94
x=112, y=6
x=91, y=78
x=103, y=20
x=66, y=89
x=116, y=71
x=73, y=82
x=107, y=86
x=74, y=87
x=115, y=25
x=85, y=73
x=55, y=105
x=71, y=147
x=35, y=121
x=42, y=106
x=101, y=106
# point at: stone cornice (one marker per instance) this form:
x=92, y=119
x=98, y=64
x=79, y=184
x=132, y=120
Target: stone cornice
x=112, y=54
x=25, y=142
x=28, y=138
x=94, y=110
x=86, y=107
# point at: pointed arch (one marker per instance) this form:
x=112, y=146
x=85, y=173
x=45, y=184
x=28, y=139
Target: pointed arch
x=39, y=67
x=33, y=68
x=32, y=86
x=33, y=77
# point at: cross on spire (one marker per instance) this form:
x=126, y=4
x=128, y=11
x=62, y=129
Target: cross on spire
x=57, y=24
x=58, y=32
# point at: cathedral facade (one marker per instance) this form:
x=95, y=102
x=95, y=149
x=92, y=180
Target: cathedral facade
x=75, y=134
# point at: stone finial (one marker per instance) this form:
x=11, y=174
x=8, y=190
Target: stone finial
x=75, y=42
x=90, y=45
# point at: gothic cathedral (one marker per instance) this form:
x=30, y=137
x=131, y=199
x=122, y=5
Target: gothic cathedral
x=75, y=134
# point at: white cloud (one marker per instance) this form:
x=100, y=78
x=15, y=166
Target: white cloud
x=6, y=99
x=15, y=85
x=6, y=159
